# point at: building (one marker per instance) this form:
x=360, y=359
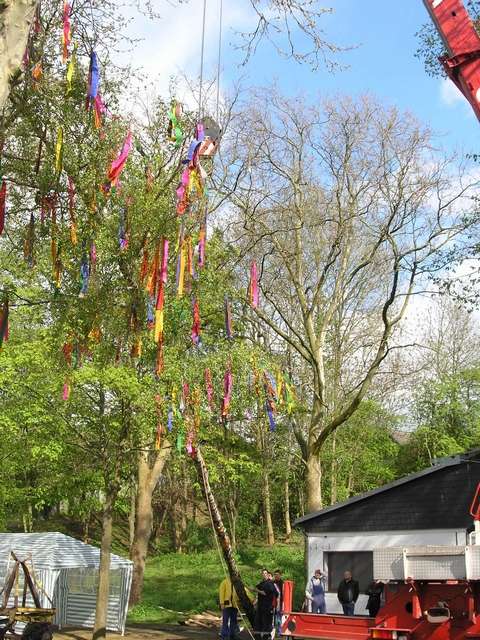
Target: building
x=430, y=507
x=65, y=571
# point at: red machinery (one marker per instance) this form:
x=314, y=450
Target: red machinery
x=462, y=42
x=415, y=610
x=430, y=593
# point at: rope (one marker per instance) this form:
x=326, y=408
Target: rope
x=219, y=53
x=220, y=554
x=200, y=97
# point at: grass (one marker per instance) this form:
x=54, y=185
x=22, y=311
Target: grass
x=189, y=582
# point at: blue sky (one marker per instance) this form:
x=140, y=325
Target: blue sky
x=383, y=64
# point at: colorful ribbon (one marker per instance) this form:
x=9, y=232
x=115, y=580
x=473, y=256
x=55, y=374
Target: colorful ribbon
x=209, y=388
x=174, y=131
x=201, y=247
x=195, y=333
x=118, y=164
x=253, y=286
x=93, y=79
x=59, y=153
x=3, y=198
x=227, y=392
x=4, y=324
x=66, y=35
x=84, y=275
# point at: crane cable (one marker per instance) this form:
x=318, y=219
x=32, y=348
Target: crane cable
x=202, y=59
x=200, y=96
x=219, y=54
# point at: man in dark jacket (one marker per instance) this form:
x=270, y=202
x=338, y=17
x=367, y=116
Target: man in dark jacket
x=266, y=594
x=348, y=593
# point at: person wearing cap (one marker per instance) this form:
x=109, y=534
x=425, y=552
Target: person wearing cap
x=315, y=592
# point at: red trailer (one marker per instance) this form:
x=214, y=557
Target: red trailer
x=429, y=592
x=414, y=610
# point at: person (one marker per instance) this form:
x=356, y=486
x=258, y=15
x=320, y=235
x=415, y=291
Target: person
x=264, y=613
x=374, y=593
x=348, y=593
x=229, y=604
x=278, y=605
x=315, y=592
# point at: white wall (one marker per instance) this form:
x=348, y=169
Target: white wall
x=319, y=543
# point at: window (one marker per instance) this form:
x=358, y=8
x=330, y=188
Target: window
x=86, y=581
x=360, y=563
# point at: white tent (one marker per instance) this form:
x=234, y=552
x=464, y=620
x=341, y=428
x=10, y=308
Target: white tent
x=67, y=571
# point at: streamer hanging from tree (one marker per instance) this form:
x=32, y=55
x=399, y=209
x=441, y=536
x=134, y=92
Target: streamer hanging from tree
x=195, y=333
x=59, y=153
x=227, y=392
x=3, y=198
x=84, y=274
x=253, y=286
x=67, y=34
x=93, y=79
x=4, y=322
x=174, y=131
x=118, y=164
x=70, y=73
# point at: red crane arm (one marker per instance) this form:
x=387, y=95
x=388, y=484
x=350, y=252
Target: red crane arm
x=462, y=42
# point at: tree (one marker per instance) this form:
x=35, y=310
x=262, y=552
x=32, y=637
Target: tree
x=447, y=415
x=16, y=18
x=345, y=209
x=362, y=454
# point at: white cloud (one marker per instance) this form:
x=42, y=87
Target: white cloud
x=450, y=96
x=171, y=46
x=449, y=93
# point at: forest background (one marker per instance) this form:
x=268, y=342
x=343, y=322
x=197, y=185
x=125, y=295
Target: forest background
x=359, y=363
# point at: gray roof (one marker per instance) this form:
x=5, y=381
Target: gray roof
x=438, y=463
x=54, y=550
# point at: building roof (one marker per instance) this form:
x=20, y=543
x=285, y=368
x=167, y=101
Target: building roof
x=441, y=464
x=54, y=550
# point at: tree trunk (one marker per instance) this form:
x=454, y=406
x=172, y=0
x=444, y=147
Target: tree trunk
x=286, y=509
x=333, y=471
x=301, y=500
x=147, y=479
x=183, y=508
x=223, y=537
x=314, y=487
x=15, y=19
x=86, y=528
x=131, y=516
x=28, y=519
x=270, y=537
x=100, y=628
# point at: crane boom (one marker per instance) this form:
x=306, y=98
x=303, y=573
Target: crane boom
x=462, y=42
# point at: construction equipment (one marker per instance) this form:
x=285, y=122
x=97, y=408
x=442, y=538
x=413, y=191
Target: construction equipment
x=462, y=42
x=37, y=618
x=430, y=592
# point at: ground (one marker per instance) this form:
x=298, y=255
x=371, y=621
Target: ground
x=163, y=632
